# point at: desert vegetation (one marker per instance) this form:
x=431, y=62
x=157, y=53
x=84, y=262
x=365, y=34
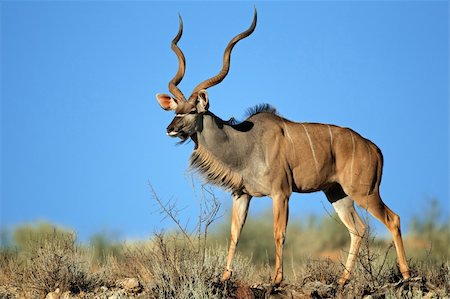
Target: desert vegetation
x=45, y=261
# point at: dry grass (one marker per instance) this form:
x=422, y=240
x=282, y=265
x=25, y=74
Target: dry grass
x=186, y=264
x=54, y=261
x=169, y=266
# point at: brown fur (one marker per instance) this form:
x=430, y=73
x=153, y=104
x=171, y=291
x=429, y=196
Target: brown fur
x=214, y=171
x=267, y=155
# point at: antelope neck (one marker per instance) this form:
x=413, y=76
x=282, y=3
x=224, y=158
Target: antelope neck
x=212, y=155
x=211, y=131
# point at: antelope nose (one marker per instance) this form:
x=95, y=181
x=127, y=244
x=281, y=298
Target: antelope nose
x=171, y=131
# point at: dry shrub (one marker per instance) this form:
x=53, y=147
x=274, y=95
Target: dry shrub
x=9, y=264
x=184, y=264
x=377, y=274
x=133, y=261
x=190, y=275
x=435, y=276
x=181, y=264
x=374, y=270
x=55, y=261
x=325, y=271
x=170, y=267
x=439, y=276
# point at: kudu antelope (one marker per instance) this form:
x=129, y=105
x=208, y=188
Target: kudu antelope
x=268, y=155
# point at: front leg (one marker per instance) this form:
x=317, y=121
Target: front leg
x=241, y=203
x=280, y=219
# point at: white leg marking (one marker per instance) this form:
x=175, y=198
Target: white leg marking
x=348, y=215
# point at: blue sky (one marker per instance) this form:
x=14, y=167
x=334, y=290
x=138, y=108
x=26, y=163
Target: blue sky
x=82, y=133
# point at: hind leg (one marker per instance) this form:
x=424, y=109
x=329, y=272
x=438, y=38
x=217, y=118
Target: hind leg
x=345, y=209
x=374, y=204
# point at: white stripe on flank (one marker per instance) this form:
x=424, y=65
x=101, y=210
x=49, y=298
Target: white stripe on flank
x=353, y=159
x=312, y=150
x=331, y=135
x=287, y=133
x=369, y=166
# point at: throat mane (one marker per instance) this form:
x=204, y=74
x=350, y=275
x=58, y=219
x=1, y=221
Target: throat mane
x=214, y=170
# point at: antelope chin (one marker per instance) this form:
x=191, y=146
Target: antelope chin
x=173, y=134
x=182, y=135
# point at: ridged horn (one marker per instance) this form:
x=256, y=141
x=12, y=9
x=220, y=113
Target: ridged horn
x=226, y=61
x=181, y=65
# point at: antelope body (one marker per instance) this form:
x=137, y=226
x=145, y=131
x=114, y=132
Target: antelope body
x=268, y=155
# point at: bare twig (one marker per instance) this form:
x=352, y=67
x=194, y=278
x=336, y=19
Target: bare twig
x=209, y=207
x=384, y=259
x=169, y=210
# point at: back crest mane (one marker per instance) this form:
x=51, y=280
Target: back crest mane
x=260, y=108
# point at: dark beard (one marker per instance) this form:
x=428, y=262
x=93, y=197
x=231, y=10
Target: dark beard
x=184, y=138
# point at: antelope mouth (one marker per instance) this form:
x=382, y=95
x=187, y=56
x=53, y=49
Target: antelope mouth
x=182, y=135
x=172, y=134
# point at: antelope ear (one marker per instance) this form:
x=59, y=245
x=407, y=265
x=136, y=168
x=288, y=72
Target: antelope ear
x=166, y=102
x=203, y=101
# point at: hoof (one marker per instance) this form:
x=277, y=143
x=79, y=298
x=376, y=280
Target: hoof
x=342, y=281
x=406, y=276
x=226, y=275
x=278, y=278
